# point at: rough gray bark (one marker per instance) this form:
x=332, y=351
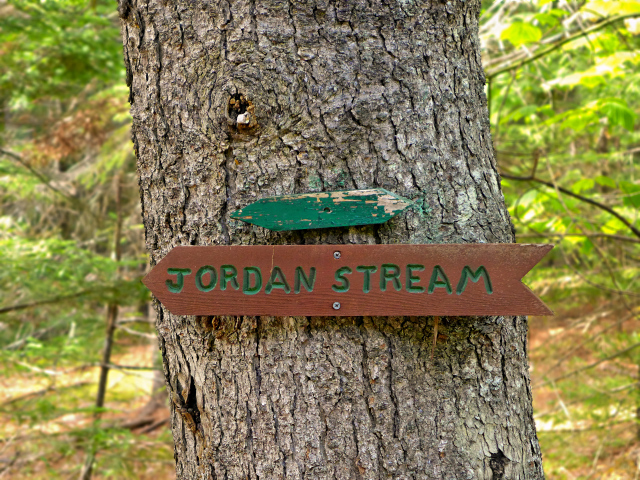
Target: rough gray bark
x=233, y=101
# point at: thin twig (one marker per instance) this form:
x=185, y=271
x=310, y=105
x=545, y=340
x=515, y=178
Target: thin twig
x=533, y=178
x=13, y=308
x=155, y=425
x=587, y=341
x=621, y=238
x=46, y=181
x=545, y=51
x=587, y=367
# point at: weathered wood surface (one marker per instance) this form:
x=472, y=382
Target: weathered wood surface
x=348, y=280
x=323, y=209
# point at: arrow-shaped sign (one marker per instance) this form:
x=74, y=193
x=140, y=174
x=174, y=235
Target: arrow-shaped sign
x=348, y=280
x=323, y=209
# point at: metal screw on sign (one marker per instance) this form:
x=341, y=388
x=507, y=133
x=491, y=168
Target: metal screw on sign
x=336, y=255
x=336, y=305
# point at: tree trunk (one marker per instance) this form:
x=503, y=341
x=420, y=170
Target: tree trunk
x=235, y=101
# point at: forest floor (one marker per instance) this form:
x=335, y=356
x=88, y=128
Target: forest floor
x=585, y=401
x=586, y=429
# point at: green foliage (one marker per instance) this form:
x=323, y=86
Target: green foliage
x=55, y=49
x=521, y=32
x=564, y=101
x=70, y=242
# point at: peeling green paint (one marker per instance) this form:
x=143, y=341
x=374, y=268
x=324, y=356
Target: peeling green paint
x=323, y=209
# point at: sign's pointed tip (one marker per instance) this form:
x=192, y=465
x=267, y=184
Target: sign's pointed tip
x=547, y=312
x=240, y=214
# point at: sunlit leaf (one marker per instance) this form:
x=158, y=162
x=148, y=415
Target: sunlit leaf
x=632, y=200
x=606, y=8
x=546, y=19
x=520, y=33
x=579, y=120
x=520, y=113
x=629, y=187
x=617, y=112
x=584, y=184
x=615, y=65
x=605, y=181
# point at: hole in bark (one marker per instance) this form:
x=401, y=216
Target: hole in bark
x=497, y=464
x=237, y=104
x=327, y=209
x=192, y=403
x=241, y=112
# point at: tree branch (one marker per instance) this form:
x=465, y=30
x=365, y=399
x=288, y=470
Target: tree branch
x=587, y=367
x=545, y=51
x=46, y=181
x=621, y=238
x=13, y=308
x=533, y=178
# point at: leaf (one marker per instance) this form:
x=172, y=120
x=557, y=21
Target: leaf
x=584, y=184
x=546, y=19
x=613, y=226
x=579, y=119
x=611, y=66
x=632, y=194
x=520, y=113
x=605, y=181
x=632, y=200
x=628, y=187
x=617, y=112
x=519, y=33
x=587, y=246
x=608, y=8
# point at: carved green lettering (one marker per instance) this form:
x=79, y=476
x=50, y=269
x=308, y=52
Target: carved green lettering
x=228, y=274
x=247, y=289
x=439, y=280
x=389, y=271
x=301, y=279
x=340, y=277
x=411, y=279
x=277, y=280
x=367, y=270
x=468, y=274
x=213, y=278
x=180, y=272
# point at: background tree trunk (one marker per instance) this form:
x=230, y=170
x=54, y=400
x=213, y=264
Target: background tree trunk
x=340, y=94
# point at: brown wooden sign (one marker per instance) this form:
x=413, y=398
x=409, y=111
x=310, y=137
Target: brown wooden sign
x=353, y=280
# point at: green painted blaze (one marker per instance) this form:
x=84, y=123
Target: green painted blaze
x=323, y=209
